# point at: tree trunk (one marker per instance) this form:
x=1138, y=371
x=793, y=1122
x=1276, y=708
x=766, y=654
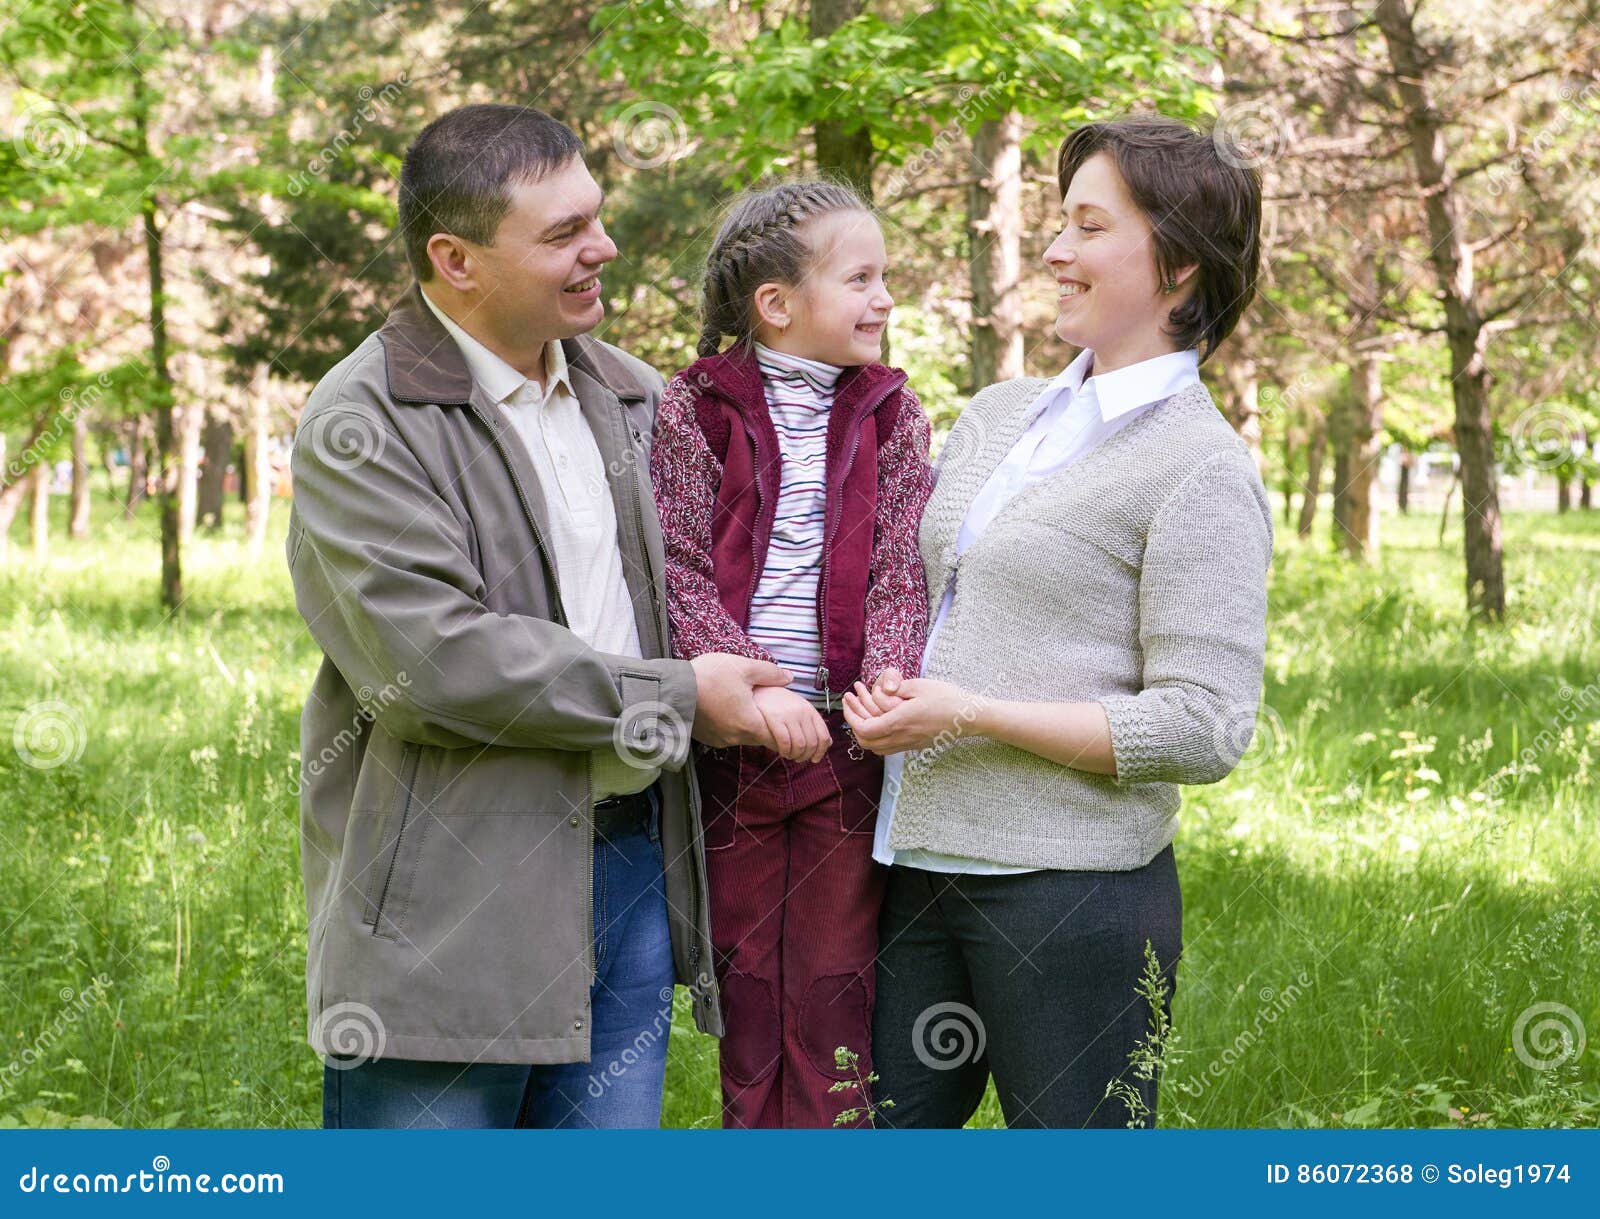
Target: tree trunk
x=1403, y=492
x=1452, y=254
x=78, y=522
x=844, y=150
x=994, y=250
x=1241, y=382
x=1563, y=493
x=171, y=555
x=1341, y=491
x=1361, y=473
x=1313, y=484
x=39, y=516
x=138, y=467
x=1286, y=485
x=218, y=445
x=258, y=463
x=189, y=421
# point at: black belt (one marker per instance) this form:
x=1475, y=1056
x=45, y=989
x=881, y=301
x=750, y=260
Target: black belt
x=623, y=814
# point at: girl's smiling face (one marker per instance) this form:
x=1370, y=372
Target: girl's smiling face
x=839, y=313
x=1110, y=298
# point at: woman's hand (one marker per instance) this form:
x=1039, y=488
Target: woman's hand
x=918, y=713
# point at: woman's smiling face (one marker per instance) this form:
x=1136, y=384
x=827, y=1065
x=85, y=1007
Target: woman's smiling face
x=1104, y=263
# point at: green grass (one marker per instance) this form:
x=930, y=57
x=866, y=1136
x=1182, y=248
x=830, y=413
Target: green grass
x=1373, y=898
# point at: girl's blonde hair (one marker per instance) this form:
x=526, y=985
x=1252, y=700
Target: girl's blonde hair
x=760, y=242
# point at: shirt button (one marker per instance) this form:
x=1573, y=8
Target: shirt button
x=573, y=822
x=577, y=1025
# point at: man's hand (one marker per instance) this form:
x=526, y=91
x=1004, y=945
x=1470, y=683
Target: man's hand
x=725, y=711
x=798, y=728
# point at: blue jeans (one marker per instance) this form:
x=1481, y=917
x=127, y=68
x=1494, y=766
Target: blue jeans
x=631, y=1015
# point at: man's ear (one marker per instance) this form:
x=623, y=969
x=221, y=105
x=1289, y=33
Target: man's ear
x=454, y=262
x=772, y=305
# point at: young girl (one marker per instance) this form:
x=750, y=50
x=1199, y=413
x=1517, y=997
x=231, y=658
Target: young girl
x=790, y=472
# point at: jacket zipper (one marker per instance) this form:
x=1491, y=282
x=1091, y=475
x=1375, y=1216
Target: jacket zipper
x=755, y=557
x=399, y=836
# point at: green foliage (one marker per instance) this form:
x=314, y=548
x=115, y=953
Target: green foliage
x=757, y=90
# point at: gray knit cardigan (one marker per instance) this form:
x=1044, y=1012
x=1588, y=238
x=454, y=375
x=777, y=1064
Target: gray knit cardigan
x=1136, y=577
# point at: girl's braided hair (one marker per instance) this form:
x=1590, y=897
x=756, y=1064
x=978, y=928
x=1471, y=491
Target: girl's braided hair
x=760, y=242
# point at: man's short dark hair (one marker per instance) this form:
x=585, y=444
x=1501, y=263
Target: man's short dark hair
x=459, y=173
x=1202, y=199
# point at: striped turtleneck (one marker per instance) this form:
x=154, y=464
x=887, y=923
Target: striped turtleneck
x=783, y=613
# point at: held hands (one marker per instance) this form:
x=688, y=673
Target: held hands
x=725, y=708
x=898, y=715
x=798, y=730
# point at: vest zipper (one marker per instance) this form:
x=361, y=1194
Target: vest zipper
x=827, y=546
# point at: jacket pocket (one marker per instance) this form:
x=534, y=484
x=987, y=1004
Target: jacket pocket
x=395, y=857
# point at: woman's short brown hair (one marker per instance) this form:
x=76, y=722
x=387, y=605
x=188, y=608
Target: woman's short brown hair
x=1202, y=198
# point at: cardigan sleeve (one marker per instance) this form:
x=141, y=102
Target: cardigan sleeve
x=1202, y=630
x=897, y=592
x=685, y=475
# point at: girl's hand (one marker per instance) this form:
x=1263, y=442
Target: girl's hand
x=926, y=710
x=884, y=695
x=798, y=728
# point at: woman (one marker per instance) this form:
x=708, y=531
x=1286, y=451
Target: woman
x=1102, y=644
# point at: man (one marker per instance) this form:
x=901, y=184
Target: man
x=500, y=835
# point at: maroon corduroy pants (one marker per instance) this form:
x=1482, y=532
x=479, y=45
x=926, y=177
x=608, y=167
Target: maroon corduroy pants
x=795, y=897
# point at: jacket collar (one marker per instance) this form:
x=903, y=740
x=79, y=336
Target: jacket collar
x=424, y=364
x=735, y=375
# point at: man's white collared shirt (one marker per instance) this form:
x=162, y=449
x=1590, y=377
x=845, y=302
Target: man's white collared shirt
x=582, y=517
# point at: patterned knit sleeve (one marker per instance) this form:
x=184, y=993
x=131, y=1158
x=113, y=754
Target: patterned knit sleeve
x=897, y=594
x=686, y=475
x=1202, y=630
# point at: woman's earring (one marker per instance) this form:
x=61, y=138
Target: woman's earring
x=1170, y=286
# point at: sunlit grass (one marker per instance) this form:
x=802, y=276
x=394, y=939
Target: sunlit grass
x=1406, y=862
